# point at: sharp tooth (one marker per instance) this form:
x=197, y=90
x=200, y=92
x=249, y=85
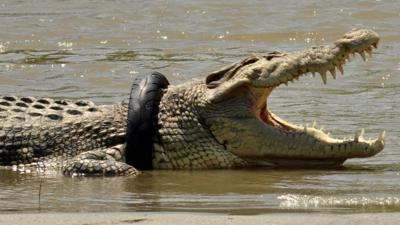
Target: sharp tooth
x=382, y=136
x=359, y=135
x=347, y=57
x=305, y=127
x=340, y=67
x=362, y=54
x=333, y=72
x=369, y=51
x=323, y=76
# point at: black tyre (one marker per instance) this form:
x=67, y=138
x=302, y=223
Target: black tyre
x=145, y=97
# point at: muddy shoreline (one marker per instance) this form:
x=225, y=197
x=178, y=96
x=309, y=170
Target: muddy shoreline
x=198, y=218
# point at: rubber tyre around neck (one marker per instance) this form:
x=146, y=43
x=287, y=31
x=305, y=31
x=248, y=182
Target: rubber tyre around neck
x=144, y=100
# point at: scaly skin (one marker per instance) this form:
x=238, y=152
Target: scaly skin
x=220, y=122
x=49, y=133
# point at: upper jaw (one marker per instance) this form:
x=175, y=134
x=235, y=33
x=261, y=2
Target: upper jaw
x=275, y=69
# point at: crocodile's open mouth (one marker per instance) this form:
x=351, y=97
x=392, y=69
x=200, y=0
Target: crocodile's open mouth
x=265, y=115
x=263, y=138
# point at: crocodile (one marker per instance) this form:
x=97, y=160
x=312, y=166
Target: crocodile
x=222, y=121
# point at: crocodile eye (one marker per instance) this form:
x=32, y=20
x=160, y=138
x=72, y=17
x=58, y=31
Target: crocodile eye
x=214, y=79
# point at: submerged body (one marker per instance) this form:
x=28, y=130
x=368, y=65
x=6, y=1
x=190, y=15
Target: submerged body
x=222, y=121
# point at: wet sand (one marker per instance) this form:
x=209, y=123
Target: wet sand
x=201, y=218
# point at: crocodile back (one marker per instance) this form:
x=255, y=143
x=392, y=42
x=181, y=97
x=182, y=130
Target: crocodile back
x=35, y=130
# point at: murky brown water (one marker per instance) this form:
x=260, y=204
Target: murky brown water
x=93, y=49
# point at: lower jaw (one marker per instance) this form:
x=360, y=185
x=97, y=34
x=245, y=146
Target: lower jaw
x=314, y=148
x=295, y=163
x=268, y=118
x=308, y=146
x=272, y=120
